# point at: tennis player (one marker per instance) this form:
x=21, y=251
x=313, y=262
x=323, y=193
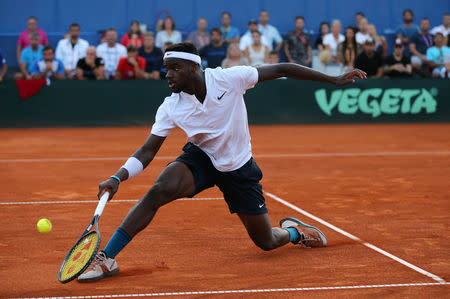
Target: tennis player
x=209, y=106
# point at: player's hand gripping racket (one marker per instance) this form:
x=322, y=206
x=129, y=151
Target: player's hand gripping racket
x=83, y=252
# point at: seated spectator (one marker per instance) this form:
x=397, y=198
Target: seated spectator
x=234, y=57
x=273, y=57
x=49, y=66
x=323, y=30
x=230, y=34
x=3, y=66
x=444, y=28
x=247, y=39
x=333, y=39
x=380, y=40
x=269, y=32
x=163, y=71
x=70, y=50
x=168, y=33
x=134, y=36
x=200, y=37
x=420, y=42
x=153, y=57
x=111, y=52
x=297, y=46
x=348, y=49
x=216, y=51
x=438, y=55
x=29, y=56
x=397, y=64
x=24, y=37
x=369, y=61
x=257, y=53
x=132, y=66
x=91, y=67
x=358, y=16
x=407, y=29
x=362, y=35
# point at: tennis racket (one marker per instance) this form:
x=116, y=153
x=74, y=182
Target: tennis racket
x=83, y=252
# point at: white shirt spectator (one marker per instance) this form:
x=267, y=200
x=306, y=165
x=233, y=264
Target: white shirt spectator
x=329, y=40
x=219, y=126
x=271, y=34
x=361, y=37
x=69, y=54
x=441, y=29
x=111, y=56
x=247, y=40
x=162, y=37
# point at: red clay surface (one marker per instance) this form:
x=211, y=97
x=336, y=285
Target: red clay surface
x=391, y=189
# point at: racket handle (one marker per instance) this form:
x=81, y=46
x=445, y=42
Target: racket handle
x=101, y=204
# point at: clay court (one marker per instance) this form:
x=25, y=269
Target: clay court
x=380, y=193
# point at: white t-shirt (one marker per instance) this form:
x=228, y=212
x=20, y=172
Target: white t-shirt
x=70, y=55
x=111, y=56
x=329, y=40
x=441, y=29
x=361, y=37
x=219, y=126
x=247, y=39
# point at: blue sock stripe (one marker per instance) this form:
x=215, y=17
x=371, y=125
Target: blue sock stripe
x=118, y=241
x=294, y=236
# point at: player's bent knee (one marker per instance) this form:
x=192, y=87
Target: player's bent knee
x=266, y=245
x=161, y=193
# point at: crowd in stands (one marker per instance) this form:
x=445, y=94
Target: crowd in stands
x=418, y=51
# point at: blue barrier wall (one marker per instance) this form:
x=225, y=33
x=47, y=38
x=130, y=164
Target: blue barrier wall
x=56, y=15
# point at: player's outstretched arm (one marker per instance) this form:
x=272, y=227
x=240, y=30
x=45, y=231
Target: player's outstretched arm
x=144, y=154
x=299, y=72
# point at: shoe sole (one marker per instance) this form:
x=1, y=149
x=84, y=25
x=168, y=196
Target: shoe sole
x=298, y=222
x=105, y=275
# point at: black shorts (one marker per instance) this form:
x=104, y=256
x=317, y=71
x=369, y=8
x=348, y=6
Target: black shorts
x=241, y=188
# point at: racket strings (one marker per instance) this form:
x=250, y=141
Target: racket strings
x=80, y=256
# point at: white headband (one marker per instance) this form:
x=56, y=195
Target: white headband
x=183, y=55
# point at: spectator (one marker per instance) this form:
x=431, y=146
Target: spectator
x=134, y=36
x=407, y=29
x=247, y=39
x=111, y=52
x=269, y=32
x=397, y=64
x=216, y=51
x=438, y=55
x=91, y=67
x=420, y=42
x=200, y=37
x=273, y=57
x=49, y=66
x=70, y=50
x=163, y=71
x=153, y=57
x=297, y=45
x=370, y=61
x=362, y=35
x=348, y=49
x=444, y=28
x=132, y=66
x=323, y=30
x=257, y=53
x=358, y=16
x=24, y=41
x=168, y=33
x=380, y=40
x=29, y=56
x=234, y=57
x=3, y=66
x=230, y=34
x=333, y=39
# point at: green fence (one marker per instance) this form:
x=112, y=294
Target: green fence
x=124, y=103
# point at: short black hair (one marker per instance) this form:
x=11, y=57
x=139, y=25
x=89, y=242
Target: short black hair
x=439, y=33
x=46, y=48
x=216, y=29
x=360, y=13
x=408, y=10
x=299, y=17
x=32, y=18
x=74, y=25
x=226, y=13
x=187, y=47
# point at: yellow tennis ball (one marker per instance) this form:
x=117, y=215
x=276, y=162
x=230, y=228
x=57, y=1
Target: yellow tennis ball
x=44, y=226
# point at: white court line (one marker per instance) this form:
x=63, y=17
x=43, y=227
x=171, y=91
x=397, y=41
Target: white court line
x=352, y=287
x=289, y=155
x=371, y=246
x=91, y=201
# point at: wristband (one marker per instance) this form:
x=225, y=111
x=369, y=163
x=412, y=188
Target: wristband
x=116, y=178
x=133, y=166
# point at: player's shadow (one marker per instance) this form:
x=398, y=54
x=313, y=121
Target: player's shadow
x=143, y=270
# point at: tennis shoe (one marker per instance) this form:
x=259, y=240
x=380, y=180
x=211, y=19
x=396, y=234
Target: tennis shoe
x=101, y=267
x=310, y=236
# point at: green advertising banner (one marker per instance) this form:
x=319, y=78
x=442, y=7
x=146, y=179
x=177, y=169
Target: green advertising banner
x=282, y=101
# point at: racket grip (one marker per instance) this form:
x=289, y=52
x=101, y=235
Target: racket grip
x=101, y=204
